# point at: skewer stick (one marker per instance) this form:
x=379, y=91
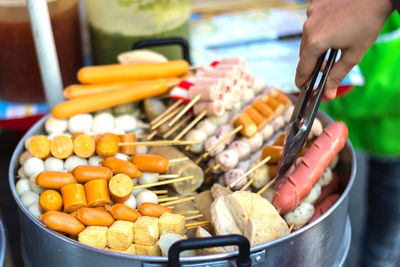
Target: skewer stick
x=194, y=217
x=247, y=184
x=160, y=192
x=168, y=176
x=162, y=196
x=171, y=207
x=188, y=212
x=178, y=201
x=216, y=167
x=151, y=135
x=196, y=224
x=160, y=143
x=143, y=125
x=171, y=161
x=266, y=186
x=184, y=110
x=191, y=124
x=177, y=126
x=164, y=182
x=166, y=118
x=141, y=136
x=248, y=172
x=208, y=179
x=167, y=111
x=226, y=137
x=291, y=227
x=165, y=199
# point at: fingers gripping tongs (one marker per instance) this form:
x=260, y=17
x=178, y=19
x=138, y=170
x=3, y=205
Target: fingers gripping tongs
x=303, y=116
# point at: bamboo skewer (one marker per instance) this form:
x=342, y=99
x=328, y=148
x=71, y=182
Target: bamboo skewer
x=194, y=217
x=247, y=184
x=178, y=201
x=160, y=192
x=168, y=176
x=226, y=137
x=184, y=110
x=266, y=186
x=141, y=136
x=214, y=168
x=171, y=161
x=208, y=179
x=248, y=172
x=151, y=135
x=188, y=212
x=191, y=124
x=160, y=143
x=291, y=228
x=162, y=196
x=167, y=117
x=165, y=199
x=177, y=126
x=167, y=111
x=164, y=182
x=196, y=224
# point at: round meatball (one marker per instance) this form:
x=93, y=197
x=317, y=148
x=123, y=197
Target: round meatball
x=103, y=123
x=80, y=123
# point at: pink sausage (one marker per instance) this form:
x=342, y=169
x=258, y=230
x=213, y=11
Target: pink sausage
x=228, y=75
x=220, y=83
x=214, y=108
x=290, y=192
x=247, y=77
x=207, y=92
x=236, y=71
x=324, y=206
x=235, y=60
x=236, y=92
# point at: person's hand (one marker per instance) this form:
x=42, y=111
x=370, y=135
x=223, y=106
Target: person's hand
x=349, y=25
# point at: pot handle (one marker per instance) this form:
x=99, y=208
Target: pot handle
x=243, y=259
x=166, y=41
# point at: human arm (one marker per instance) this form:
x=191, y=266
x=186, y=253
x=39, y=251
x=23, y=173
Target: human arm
x=349, y=25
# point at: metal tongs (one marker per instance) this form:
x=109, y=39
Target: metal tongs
x=303, y=116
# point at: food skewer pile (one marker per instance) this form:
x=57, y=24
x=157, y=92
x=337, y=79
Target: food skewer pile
x=89, y=178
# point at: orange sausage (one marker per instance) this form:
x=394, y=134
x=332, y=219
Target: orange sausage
x=280, y=141
x=121, y=211
x=107, y=146
x=274, y=151
x=54, y=179
x=263, y=109
x=120, y=186
x=109, y=99
x=151, y=163
x=73, y=197
x=280, y=97
x=128, y=150
x=153, y=210
x=276, y=106
x=94, y=217
x=62, y=222
x=122, y=166
x=273, y=170
x=132, y=72
x=255, y=116
x=50, y=200
x=39, y=146
x=97, y=193
x=79, y=90
x=86, y=173
x=62, y=147
x=84, y=146
x=249, y=127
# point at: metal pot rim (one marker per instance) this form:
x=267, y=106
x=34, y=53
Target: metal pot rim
x=226, y=255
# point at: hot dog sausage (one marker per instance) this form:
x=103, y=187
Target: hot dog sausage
x=151, y=163
x=54, y=179
x=94, y=217
x=121, y=211
x=97, y=193
x=121, y=166
x=153, y=210
x=62, y=222
x=289, y=194
x=73, y=197
x=86, y=173
x=249, y=127
x=39, y=146
x=324, y=206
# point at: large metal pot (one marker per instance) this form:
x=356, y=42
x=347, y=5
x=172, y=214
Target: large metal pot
x=324, y=242
x=3, y=244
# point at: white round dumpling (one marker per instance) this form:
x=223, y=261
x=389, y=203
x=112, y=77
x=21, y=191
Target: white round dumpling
x=80, y=123
x=33, y=166
x=53, y=125
x=103, y=123
x=126, y=122
x=74, y=161
x=53, y=164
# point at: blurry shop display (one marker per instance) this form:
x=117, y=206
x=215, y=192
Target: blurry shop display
x=115, y=26
x=20, y=79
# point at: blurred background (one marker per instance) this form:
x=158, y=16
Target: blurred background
x=266, y=32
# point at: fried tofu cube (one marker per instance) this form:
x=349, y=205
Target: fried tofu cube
x=95, y=236
x=172, y=222
x=120, y=235
x=146, y=231
x=131, y=249
x=153, y=250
